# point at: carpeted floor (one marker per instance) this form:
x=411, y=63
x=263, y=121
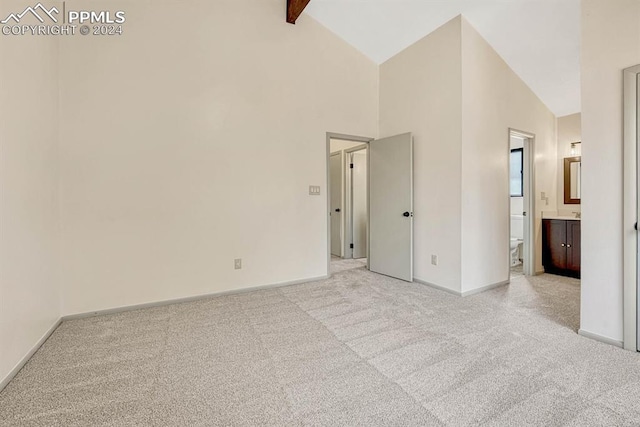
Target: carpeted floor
x=356, y=349
x=339, y=264
x=517, y=270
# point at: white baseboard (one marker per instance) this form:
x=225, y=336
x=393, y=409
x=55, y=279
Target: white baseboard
x=187, y=299
x=600, y=338
x=462, y=294
x=484, y=288
x=6, y=380
x=438, y=287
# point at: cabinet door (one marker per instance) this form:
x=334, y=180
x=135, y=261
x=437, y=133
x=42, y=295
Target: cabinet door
x=554, y=240
x=573, y=247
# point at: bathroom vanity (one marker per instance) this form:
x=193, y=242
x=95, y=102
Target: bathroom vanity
x=561, y=246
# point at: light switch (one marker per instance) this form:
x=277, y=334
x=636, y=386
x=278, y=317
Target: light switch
x=314, y=190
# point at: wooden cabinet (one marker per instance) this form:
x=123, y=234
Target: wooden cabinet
x=561, y=247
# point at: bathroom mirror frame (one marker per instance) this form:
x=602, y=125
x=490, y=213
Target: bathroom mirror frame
x=568, y=161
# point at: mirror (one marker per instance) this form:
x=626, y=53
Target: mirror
x=572, y=185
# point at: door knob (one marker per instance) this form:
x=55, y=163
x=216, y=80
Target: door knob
x=337, y=210
x=563, y=245
x=406, y=214
x=568, y=246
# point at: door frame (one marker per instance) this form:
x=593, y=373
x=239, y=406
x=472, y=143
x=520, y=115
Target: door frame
x=348, y=199
x=631, y=207
x=528, y=164
x=329, y=137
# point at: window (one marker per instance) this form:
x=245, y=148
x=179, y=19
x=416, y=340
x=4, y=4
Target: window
x=515, y=173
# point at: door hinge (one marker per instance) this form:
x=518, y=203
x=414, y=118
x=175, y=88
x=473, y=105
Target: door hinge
x=351, y=165
x=351, y=246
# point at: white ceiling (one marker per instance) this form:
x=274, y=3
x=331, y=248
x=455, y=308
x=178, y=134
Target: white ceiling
x=539, y=39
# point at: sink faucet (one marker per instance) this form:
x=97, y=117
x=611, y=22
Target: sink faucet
x=578, y=215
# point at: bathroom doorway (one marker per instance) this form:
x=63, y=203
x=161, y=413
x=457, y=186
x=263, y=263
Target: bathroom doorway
x=520, y=203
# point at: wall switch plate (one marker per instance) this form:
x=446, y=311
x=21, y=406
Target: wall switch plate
x=434, y=259
x=543, y=196
x=238, y=263
x=314, y=190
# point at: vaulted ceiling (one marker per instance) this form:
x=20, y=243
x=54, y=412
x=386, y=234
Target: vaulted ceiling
x=539, y=39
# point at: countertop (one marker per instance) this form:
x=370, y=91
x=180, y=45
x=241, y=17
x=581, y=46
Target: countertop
x=565, y=217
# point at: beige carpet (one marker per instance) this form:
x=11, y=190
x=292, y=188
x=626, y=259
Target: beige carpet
x=358, y=349
x=517, y=270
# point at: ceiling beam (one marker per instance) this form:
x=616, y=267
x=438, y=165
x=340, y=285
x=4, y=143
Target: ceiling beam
x=294, y=9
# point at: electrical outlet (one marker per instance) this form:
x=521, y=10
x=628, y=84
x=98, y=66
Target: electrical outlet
x=434, y=259
x=238, y=263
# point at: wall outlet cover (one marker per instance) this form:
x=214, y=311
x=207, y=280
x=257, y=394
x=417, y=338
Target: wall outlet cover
x=238, y=263
x=434, y=259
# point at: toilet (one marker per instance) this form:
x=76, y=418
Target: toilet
x=517, y=239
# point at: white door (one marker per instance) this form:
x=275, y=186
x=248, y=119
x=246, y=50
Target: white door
x=391, y=206
x=359, y=203
x=335, y=182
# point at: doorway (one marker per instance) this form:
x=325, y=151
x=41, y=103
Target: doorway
x=348, y=202
x=370, y=201
x=521, y=216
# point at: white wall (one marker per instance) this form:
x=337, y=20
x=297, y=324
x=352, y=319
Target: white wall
x=610, y=43
x=341, y=144
x=174, y=165
x=494, y=100
x=569, y=130
x=517, y=205
x=459, y=98
x=420, y=92
x=29, y=225
x=515, y=142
